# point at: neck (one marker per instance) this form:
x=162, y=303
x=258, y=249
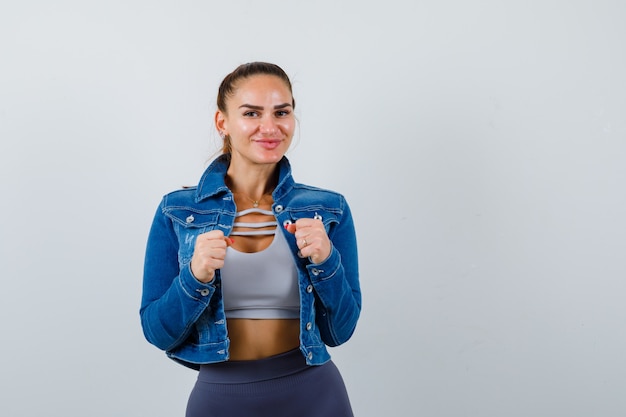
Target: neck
x=252, y=182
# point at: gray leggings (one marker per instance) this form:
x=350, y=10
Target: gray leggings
x=282, y=385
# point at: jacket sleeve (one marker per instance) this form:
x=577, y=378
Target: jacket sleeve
x=172, y=299
x=336, y=283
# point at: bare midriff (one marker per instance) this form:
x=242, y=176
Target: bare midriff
x=252, y=339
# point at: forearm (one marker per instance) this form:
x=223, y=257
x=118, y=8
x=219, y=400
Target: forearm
x=168, y=319
x=339, y=299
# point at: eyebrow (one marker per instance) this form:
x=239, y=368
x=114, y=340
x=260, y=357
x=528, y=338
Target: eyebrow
x=276, y=107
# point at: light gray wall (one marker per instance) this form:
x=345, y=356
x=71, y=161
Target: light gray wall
x=481, y=144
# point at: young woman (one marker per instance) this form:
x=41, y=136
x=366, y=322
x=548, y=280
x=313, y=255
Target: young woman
x=249, y=275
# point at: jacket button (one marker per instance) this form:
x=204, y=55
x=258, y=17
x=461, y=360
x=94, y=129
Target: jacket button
x=309, y=288
x=315, y=271
x=190, y=219
x=279, y=208
x=287, y=223
x=317, y=217
x=309, y=326
x=204, y=292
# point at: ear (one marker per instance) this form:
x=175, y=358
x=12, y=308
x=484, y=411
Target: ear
x=220, y=122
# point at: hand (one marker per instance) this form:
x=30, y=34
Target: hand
x=208, y=254
x=311, y=239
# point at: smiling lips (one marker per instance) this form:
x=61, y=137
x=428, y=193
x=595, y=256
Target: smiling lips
x=269, y=143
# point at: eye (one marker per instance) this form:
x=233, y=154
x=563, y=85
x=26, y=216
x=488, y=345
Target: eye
x=251, y=113
x=283, y=113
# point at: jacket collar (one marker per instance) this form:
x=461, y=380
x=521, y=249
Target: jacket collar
x=212, y=181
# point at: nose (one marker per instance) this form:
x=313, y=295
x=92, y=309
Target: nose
x=268, y=125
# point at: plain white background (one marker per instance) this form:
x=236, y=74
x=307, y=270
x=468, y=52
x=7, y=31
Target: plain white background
x=481, y=145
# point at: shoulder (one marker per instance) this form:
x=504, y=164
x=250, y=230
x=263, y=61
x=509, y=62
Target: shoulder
x=185, y=196
x=304, y=189
x=310, y=197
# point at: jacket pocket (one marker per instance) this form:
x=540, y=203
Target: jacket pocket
x=190, y=223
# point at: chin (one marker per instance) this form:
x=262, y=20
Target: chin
x=271, y=159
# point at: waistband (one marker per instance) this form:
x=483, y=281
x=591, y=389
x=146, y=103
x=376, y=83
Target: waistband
x=237, y=372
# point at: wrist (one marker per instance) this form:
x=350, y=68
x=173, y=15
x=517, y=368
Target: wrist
x=206, y=279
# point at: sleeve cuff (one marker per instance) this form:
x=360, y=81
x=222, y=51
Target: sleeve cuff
x=326, y=269
x=195, y=289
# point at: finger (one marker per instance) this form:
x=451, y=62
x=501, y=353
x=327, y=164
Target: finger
x=310, y=234
x=310, y=225
x=304, y=223
x=213, y=234
x=211, y=245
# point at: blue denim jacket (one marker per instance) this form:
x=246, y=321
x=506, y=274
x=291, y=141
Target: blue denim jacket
x=186, y=318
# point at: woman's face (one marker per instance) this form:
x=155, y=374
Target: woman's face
x=259, y=119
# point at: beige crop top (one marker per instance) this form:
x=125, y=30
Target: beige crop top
x=260, y=285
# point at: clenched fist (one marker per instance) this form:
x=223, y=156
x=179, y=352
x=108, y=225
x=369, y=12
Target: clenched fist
x=208, y=254
x=311, y=239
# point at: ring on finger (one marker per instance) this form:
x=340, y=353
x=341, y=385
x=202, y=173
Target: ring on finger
x=304, y=242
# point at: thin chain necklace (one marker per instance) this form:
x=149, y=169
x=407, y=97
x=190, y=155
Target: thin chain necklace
x=255, y=203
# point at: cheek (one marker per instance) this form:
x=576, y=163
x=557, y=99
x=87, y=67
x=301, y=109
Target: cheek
x=288, y=126
x=246, y=128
